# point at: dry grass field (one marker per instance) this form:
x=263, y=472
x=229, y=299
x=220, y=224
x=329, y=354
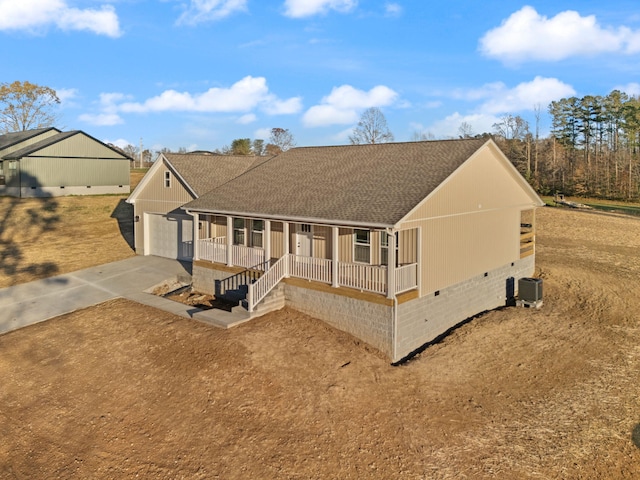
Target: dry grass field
x=41, y=237
x=121, y=390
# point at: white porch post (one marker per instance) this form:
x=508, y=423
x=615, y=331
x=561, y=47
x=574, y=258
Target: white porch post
x=285, y=241
x=267, y=244
x=335, y=255
x=391, y=267
x=196, y=236
x=285, y=237
x=229, y=241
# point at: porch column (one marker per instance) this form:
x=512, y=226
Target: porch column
x=196, y=236
x=267, y=244
x=285, y=237
x=285, y=246
x=335, y=255
x=391, y=267
x=229, y=241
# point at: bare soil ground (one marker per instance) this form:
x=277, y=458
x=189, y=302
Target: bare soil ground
x=121, y=390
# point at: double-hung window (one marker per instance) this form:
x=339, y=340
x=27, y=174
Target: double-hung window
x=362, y=246
x=238, y=231
x=167, y=179
x=257, y=232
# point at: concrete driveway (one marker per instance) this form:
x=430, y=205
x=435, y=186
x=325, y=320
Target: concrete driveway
x=41, y=300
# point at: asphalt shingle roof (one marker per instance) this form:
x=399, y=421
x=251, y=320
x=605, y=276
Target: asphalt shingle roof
x=364, y=184
x=204, y=172
x=13, y=138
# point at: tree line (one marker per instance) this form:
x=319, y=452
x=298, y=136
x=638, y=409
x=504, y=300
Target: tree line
x=593, y=148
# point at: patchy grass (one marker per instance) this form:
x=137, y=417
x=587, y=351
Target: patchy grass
x=41, y=237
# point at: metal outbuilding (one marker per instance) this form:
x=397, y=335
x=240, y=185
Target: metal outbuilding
x=48, y=163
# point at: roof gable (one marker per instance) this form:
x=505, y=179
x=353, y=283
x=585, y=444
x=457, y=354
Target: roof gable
x=83, y=145
x=12, y=141
x=486, y=181
x=355, y=184
x=198, y=173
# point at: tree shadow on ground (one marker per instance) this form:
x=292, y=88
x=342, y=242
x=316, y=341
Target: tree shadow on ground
x=123, y=213
x=19, y=225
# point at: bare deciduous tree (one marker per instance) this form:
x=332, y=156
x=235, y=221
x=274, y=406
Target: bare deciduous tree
x=372, y=128
x=281, y=140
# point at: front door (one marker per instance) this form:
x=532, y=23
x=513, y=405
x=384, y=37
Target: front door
x=304, y=240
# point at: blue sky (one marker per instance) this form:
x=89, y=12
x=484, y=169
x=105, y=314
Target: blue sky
x=200, y=73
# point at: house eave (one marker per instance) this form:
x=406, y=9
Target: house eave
x=293, y=219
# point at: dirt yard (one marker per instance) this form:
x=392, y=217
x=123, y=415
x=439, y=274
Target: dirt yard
x=122, y=391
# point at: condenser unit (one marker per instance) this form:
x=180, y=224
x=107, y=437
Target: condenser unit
x=530, y=292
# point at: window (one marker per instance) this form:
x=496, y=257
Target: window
x=238, y=231
x=257, y=230
x=167, y=179
x=362, y=246
x=13, y=165
x=1, y=168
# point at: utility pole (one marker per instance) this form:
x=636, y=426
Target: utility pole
x=140, y=152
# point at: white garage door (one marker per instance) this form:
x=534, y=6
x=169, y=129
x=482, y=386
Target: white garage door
x=170, y=236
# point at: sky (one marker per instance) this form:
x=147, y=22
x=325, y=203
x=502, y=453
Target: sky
x=197, y=74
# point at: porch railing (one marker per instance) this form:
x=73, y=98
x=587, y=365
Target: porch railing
x=318, y=269
x=247, y=257
x=370, y=278
x=363, y=277
x=406, y=277
x=213, y=250
x=262, y=286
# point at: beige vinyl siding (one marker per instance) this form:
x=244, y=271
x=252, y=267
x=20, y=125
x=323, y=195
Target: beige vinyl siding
x=471, y=224
x=407, y=246
x=218, y=226
x=321, y=242
x=277, y=240
x=345, y=244
x=156, y=198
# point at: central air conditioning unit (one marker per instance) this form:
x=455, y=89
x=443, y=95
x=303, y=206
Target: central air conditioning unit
x=530, y=292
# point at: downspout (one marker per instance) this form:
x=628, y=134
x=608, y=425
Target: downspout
x=391, y=258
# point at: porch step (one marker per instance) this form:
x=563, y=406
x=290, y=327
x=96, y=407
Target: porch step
x=222, y=318
x=275, y=300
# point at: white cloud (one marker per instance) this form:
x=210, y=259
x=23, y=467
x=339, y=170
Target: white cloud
x=243, y=96
x=246, y=119
x=449, y=127
x=35, y=15
x=200, y=11
x=121, y=142
x=101, y=119
x=307, y=8
x=524, y=96
x=273, y=106
x=527, y=35
x=262, y=133
x=632, y=89
x=343, y=105
x=393, y=9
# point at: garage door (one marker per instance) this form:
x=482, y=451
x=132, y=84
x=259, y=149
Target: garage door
x=170, y=236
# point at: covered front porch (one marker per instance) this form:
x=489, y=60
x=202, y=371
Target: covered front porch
x=340, y=256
